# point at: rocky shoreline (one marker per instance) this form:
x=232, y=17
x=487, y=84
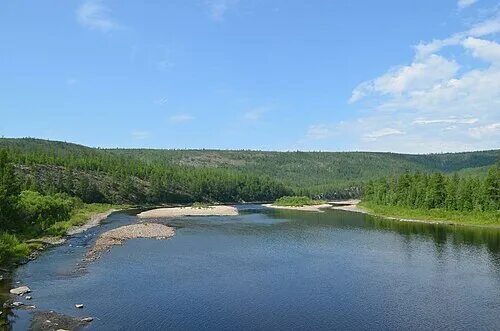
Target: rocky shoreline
x=119, y=235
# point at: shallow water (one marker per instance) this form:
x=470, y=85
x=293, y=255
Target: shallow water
x=276, y=269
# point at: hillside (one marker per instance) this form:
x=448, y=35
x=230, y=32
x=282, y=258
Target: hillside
x=134, y=175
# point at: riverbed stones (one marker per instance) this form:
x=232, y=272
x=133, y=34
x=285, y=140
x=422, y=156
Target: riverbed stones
x=22, y=290
x=119, y=235
x=28, y=297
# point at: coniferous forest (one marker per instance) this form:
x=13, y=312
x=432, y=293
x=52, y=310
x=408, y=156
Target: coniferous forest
x=47, y=186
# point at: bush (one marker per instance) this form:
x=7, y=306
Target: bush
x=11, y=249
x=200, y=205
x=39, y=212
x=296, y=201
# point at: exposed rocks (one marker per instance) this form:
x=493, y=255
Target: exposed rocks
x=22, y=290
x=79, y=306
x=50, y=320
x=119, y=235
x=87, y=319
x=28, y=297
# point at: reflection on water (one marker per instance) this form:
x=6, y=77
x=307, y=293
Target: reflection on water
x=278, y=269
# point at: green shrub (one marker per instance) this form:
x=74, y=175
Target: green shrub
x=11, y=249
x=296, y=201
x=200, y=205
x=39, y=212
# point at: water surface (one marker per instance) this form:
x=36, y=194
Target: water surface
x=275, y=269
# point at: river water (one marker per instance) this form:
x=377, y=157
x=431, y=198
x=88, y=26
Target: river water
x=275, y=269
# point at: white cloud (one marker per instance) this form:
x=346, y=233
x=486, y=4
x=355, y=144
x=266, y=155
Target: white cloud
x=140, y=135
x=481, y=29
x=421, y=121
x=485, y=130
x=218, y=8
x=94, y=15
x=418, y=75
x=439, y=104
x=465, y=3
x=374, y=135
x=181, y=118
x=486, y=50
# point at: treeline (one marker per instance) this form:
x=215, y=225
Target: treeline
x=95, y=175
x=138, y=175
x=27, y=212
x=437, y=191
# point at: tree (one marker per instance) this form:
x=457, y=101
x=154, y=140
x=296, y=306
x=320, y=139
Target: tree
x=9, y=190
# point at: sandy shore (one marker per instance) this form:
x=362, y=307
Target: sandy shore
x=315, y=208
x=189, y=211
x=119, y=235
x=354, y=208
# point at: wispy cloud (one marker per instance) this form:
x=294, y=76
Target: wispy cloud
x=180, y=118
x=140, y=135
x=93, y=14
x=218, y=8
x=479, y=132
x=382, y=133
x=320, y=131
x=465, y=3
x=255, y=113
x=437, y=103
x=162, y=101
x=422, y=121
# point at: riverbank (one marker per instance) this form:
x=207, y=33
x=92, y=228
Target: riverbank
x=314, y=208
x=433, y=216
x=189, y=211
x=21, y=248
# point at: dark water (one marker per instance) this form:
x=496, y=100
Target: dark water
x=277, y=270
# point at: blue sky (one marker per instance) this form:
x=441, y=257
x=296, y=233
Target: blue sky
x=404, y=76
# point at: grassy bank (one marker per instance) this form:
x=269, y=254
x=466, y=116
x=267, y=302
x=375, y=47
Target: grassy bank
x=296, y=201
x=486, y=218
x=13, y=246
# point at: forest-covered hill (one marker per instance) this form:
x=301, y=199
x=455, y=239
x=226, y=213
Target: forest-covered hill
x=147, y=175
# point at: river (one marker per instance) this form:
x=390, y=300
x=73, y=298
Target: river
x=275, y=269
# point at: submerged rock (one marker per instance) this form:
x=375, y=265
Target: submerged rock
x=50, y=320
x=22, y=290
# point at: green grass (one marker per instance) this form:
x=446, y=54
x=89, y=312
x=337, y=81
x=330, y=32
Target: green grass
x=296, y=201
x=488, y=218
x=79, y=216
x=13, y=249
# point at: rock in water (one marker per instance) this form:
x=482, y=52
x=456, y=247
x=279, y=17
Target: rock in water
x=27, y=297
x=20, y=290
x=87, y=319
x=79, y=305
